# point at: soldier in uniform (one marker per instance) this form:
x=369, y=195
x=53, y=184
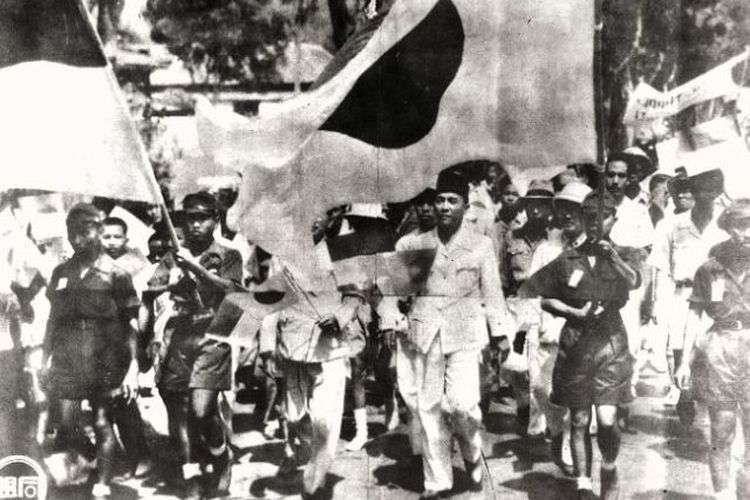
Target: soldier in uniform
x=717, y=363
x=90, y=343
x=194, y=369
x=439, y=351
x=588, y=285
x=308, y=347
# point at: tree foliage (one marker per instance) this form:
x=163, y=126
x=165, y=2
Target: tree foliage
x=228, y=39
x=664, y=43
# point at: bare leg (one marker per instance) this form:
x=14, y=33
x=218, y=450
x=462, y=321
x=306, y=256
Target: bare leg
x=580, y=441
x=608, y=436
x=106, y=443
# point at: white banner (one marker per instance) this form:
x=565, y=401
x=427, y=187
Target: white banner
x=648, y=104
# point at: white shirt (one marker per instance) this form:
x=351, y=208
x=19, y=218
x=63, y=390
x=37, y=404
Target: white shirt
x=633, y=226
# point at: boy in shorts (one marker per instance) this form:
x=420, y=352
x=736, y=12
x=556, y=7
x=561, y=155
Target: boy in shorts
x=90, y=341
x=194, y=369
x=588, y=285
x=718, y=361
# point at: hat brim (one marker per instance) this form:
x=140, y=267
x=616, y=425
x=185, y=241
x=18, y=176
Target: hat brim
x=643, y=165
x=568, y=199
x=549, y=197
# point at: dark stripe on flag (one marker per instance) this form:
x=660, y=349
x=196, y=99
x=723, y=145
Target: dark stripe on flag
x=395, y=102
x=49, y=30
x=371, y=236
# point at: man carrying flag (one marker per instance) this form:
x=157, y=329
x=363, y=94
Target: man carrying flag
x=308, y=345
x=448, y=320
x=195, y=368
x=588, y=286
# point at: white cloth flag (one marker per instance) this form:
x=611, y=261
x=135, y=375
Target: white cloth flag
x=438, y=82
x=64, y=124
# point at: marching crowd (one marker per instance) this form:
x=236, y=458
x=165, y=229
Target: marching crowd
x=547, y=295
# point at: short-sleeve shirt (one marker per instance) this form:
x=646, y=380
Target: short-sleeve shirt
x=225, y=262
x=88, y=326
x=633, y=226
x=723, y=298
x=105, y=291
x=679, y=246
x=572, y=279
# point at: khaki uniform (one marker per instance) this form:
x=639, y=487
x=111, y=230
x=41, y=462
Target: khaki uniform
x=721, y=364
x=438, y=359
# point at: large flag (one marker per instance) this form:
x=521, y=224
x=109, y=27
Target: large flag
x=64, y=124
x=437, y=82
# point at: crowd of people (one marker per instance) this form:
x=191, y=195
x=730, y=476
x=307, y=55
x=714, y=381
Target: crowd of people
x=546, y=295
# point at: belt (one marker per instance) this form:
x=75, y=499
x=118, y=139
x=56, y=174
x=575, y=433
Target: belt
x=732, y=324
x=85, y=322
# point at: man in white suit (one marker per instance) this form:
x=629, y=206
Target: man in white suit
x=439, y=353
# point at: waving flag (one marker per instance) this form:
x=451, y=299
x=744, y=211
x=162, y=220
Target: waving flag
x=436, y=82
x=64, y=124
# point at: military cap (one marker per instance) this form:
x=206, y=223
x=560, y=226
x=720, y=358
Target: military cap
x=738, y=210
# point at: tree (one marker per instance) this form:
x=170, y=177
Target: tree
x=222, y=40
x=664, y=43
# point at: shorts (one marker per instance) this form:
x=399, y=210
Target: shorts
x=595, y=369
x=10, y=380
x=193, y=361
x=88, y=361
x=721, y=368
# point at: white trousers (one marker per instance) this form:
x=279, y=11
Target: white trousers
x=317, y=390
x=442, y=393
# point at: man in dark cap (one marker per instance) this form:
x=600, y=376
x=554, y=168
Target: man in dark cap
x=448, y=321
x=90, y=341
x=194, y=368
x=682, y=244
x=715, y=363
x=679, y=191
x=588, y=285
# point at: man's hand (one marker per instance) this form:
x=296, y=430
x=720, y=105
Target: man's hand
x=269, y=366
x=185, y=259
x=329, y=325
x=682, y=377
x=591, y=310
x=606, y=249
x=129, y=385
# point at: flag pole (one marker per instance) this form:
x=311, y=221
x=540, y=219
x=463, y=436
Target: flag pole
x=143, y=158
x=599, y=121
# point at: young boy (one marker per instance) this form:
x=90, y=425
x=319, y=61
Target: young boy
x=127, y=417
x=195, y=369
x=588, y=285
x=717, y=361
x=91, y=337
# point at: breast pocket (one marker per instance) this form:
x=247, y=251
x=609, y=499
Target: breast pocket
x=467, y=279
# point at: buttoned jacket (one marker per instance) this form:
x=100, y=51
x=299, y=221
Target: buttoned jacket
x=462, y=300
